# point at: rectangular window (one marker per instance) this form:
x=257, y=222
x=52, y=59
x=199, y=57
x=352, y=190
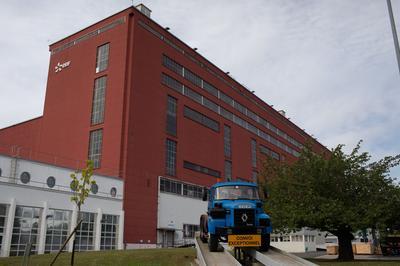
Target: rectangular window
x=86, y=232
x=210, y=88
x=171, y=115
x=225, y=113
x=201, y=169
x=99, y=100
x=170, y=162
x=3, y=219
x=200, y=118
x=172, y=65
x=193, y=95
x=240, y=108
x=25, y=230
x=210, y=105
x=171, y=83
x=57, y=229
x=228, y=170
x=102, y=57
x=239, y=121
x=167, y=185
x=189, y=230
x=95, y=143
x=193, y=78
x=109, y=230
x=225, y=98
x=192, y=191
x=252, y=115
x=269, y=152
x=227, y=141
x=252, y=128
x=253, y=153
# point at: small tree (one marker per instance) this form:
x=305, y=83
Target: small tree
x=81, y=187
x=333, y=192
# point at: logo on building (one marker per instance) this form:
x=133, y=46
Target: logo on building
x=244, y=217
x=61, y=66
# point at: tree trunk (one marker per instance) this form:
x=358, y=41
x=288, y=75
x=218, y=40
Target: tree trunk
x=345, y=246
x=73, y=242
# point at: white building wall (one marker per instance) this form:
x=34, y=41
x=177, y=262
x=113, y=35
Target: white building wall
x=175, y=210
x=307, y=241
x=36, y=193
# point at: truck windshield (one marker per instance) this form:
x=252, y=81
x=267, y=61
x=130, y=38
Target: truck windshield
x=236, y=192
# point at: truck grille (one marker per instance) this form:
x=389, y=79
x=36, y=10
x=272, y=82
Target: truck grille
x=244, y=217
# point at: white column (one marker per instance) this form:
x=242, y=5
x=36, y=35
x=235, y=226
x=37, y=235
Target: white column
x=42, y=231
x=73, y=224
x=98, y=229
x=9, y=228
x=120, y=245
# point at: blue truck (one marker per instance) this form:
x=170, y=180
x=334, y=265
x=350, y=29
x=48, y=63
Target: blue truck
x=235, y=215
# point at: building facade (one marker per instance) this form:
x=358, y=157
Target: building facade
x=35, y=207
x=151, y=111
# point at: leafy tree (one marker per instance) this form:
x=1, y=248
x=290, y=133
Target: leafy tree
x=81, y=187
x=333, y=192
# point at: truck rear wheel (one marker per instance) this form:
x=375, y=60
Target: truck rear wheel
x=204, y=228
x=213, y=243
x=265, y=242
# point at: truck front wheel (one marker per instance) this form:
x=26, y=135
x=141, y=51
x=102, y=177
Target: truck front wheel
x=265, y=242
x=213, y=243
x=203, y=228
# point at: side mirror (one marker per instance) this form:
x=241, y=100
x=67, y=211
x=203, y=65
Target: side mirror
x=205, y=192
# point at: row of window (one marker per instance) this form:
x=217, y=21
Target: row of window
x=88, y=35
x=58, y=225
x=227, y=141
x=199, y=82
x=179, y=87
x=201, y=119
x=189, y=230
x=211, y=89
x=98, y=106
x=25, y=178
x=201, y=169
x=180, y=188
x=294, y=238
x=269, y=152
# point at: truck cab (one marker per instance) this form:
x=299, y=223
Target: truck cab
x=235, y=215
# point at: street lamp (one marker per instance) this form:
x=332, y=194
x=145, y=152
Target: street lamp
x=395, y=39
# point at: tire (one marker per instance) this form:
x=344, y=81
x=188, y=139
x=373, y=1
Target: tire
x=265, y=242
x=204, y=228
x=213, y=243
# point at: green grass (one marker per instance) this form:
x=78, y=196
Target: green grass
x=152, y=257
x=355, y=263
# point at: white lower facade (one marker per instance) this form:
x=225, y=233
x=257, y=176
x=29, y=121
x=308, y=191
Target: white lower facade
x=178, y=215
x=38, y=211
x=304, y=240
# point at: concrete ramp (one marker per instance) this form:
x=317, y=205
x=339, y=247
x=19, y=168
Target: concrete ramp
x=277, y=257
x=274, y=257
x=220, y=258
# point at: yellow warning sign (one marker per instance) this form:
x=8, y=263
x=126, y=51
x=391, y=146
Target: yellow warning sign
x=244, y=240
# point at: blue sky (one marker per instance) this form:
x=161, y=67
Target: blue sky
x=330, y=64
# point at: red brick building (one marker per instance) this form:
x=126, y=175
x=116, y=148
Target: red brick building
x=142, y=104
